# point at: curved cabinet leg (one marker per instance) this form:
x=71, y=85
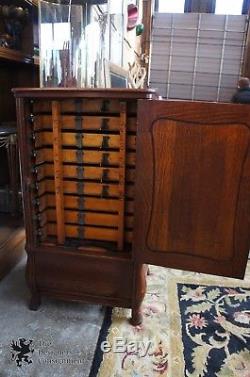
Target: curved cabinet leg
x=139, y=290
x=137, y=317
x=35, y=301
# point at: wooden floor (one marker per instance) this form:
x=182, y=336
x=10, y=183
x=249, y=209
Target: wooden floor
x=12, y=238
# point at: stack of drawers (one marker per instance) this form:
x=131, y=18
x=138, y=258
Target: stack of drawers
x=78, y=156
x=84, y=170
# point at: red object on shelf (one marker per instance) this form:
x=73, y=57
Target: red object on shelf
x=132, y=16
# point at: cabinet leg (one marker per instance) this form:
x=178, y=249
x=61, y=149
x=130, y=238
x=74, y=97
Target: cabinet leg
x=139, y=290
x=35, y=301
x=137, y=317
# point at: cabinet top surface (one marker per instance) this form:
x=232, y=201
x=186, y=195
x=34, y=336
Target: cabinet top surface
x=87, y=93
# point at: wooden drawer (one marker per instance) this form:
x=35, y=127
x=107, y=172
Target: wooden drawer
x=88, y=233
x=84, y=123
x=85, y=188
x=104, y=205
x=84, y=140
x=83, y=106
x=101, y=158
x=83, y=168
x=84, y=172
x=77, y=275
x=89, y=218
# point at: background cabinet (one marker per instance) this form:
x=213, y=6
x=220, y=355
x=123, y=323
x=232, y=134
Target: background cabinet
x=18, y=68
x=19, y=65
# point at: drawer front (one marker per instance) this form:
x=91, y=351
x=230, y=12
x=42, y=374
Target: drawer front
x=79, y=275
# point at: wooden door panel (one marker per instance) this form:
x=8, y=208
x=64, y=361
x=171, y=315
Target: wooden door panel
x=191, y=165
x=193, y=186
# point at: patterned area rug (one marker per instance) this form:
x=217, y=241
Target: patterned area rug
x=195, y=325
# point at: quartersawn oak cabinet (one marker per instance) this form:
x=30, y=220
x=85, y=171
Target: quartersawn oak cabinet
x=113, y=180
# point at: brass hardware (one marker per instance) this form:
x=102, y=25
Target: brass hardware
x=31, y=118
x=104, y=124
x=105, y=174
x=105, y=159
x=81, y=218
x=80, y=172
x=105, y=191
x=79, y=156
x=105, y=142
x=81, y=202
x=79, y=140
x=78, y=122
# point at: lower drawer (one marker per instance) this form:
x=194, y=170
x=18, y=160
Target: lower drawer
x=66, y=274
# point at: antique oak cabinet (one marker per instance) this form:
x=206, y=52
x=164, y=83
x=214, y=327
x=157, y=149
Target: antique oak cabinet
x=113, y=180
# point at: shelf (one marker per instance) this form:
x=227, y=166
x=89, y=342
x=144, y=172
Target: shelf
x=15, y=56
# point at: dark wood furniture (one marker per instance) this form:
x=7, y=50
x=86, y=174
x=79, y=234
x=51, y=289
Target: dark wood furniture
x=82, y=152
x=8, y=140
x=18, y=68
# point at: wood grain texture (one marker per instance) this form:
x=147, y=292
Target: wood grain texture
x=192, y=204
x=88, y=123
x=106, y=205
x=90, y=218
x=94, y=157
x=27, y=178
x=122, y=174
x=93, y=233
x=58, y=170
x=92, y=173
x=88, y=188
x=70, y=139
x=96, y=94
x=96, y=278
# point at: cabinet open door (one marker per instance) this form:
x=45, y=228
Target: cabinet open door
x=193, y=186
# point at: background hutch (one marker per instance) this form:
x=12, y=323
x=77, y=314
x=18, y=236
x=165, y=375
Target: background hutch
x=18, y=68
